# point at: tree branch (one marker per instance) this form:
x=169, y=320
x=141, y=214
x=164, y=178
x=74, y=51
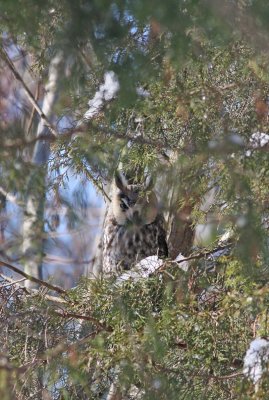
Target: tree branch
x=10, y=197
x=27, y=90
x=103, y=134
x=33, y=279
x=204, y=253
x=195, y=256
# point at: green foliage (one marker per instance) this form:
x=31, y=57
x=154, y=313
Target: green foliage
x=204, y=68
x=148, y=335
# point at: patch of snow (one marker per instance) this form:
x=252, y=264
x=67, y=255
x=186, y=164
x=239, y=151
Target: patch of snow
x=226, y=236
x=150, y=264
x=257, y=139
x=142, y=92
x=255, y=359
x=180, y=259
x=107, y=91
x=143, y=269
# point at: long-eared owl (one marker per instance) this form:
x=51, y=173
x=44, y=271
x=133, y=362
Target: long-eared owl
x=133, y=227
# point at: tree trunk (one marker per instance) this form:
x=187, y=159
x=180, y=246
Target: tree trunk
x=33, y=223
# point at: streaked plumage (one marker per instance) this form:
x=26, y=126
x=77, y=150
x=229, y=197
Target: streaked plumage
x=133, y=228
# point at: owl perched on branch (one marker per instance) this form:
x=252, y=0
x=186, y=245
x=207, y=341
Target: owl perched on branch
x=133, y=227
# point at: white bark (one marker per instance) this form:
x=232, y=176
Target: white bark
x=33, y=228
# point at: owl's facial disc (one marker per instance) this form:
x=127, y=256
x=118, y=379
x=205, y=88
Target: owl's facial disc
x=140, y=210
x=133, y=204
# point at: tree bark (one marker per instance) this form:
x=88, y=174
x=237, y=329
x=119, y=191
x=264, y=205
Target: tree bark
x=33, y=223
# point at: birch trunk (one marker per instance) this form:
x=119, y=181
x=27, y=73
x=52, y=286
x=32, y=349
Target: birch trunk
x=33, y=223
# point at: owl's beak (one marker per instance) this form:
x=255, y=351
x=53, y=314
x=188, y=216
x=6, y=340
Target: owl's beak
x=136, y=218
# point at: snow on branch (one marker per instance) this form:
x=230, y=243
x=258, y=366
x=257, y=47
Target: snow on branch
x=256, y=359
x=142, y=270
x=107, y=91
x=153, y=264
x=258, y=140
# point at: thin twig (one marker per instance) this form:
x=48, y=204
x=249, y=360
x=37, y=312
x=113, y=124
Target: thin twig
x=205, y=253
x=54, y=299
x=13, y=283
x=31, y=118
x=223, y=377
x=8, y=279
x=95, y=321
x=97, y=184
x=196, y=256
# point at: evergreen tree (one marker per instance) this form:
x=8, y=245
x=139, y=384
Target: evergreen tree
x=179, y=89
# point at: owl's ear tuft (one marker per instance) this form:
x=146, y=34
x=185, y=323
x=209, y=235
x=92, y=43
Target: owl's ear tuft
x=120, y=181
x=148, y=185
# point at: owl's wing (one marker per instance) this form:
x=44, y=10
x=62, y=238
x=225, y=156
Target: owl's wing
x=162, y=244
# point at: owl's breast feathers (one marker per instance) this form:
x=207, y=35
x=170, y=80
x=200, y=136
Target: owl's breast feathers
x=125, y=245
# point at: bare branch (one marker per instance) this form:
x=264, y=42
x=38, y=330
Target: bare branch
x=10, y=197
x=33, y=279
x=195, y=256
x=223, y=377
x=205, y=253
x=27, y=90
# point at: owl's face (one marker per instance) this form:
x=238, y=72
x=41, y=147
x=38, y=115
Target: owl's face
x=133, y=204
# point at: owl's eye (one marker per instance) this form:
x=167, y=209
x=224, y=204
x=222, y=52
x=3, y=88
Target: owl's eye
x=125, y=202
x=123, y=205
